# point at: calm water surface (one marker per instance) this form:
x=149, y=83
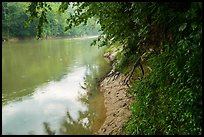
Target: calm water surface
x=43, y=87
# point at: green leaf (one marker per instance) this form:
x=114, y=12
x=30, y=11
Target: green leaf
x=66, y=28
x=194, y=26
x=182, y=27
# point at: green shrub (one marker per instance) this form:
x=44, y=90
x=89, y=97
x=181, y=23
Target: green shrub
x=168, y=101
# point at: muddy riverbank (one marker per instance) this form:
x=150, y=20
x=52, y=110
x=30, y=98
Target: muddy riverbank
x=117, y=103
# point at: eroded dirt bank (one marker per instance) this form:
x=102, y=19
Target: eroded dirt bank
x=117, y=104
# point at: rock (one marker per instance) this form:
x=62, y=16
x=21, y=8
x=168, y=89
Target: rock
x=124, y=104
x=104, y=130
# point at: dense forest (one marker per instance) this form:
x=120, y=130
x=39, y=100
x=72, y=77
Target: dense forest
x=15, y=22
x=159, y=50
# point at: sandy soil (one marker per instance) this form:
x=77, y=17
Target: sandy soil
x=117, y=104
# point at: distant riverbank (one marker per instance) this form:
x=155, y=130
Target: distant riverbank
x=86, y=37
x=14, y=39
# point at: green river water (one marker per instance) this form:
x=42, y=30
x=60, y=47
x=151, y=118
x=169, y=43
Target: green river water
x=43, y=87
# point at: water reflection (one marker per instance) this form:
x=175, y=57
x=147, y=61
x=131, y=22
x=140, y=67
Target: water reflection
x=28, y=64
x=54, y=98
x=49, y=102
x=94, y=98
x=76, y=127
x=48, y=129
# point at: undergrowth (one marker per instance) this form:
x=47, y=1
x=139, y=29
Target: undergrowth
x=169, y=100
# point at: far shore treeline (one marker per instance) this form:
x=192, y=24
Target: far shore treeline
x=15, y=23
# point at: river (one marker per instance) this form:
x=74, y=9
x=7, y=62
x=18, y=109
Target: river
x=50, y=87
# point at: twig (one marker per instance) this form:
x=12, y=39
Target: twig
x=137, y=63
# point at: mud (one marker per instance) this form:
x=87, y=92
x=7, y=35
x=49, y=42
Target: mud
x=117, y=103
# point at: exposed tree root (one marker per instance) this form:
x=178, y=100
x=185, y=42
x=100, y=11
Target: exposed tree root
x=128, y=78
x=113, y=75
